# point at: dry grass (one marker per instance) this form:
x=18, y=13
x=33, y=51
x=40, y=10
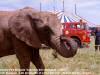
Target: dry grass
x=86, y=60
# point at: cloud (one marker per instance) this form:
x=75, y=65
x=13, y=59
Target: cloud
x=10, y=1
x=16, y=4
x=89, y=9
x=9, y=4
x=88, y=4
x=46, y=1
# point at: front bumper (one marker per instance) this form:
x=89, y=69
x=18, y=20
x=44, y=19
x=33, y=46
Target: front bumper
x=85, y=45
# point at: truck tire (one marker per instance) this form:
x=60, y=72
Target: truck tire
x=78, y=42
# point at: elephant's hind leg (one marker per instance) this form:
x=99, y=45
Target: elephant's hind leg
x=37, y=61
x=23, y=54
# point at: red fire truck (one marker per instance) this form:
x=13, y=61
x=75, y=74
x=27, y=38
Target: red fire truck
x=78, y=31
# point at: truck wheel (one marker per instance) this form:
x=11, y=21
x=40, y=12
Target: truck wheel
x=78, y=42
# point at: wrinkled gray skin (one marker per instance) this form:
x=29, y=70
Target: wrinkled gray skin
x=23, y=31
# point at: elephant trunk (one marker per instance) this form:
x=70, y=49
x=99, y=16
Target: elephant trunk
x=66, y=47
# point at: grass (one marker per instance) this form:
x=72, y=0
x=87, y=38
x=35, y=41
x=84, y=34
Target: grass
x=86, y=61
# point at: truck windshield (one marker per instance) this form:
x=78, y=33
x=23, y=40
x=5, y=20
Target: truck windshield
x=82, y=26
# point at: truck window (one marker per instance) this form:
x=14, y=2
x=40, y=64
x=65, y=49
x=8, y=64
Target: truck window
x=79, y=26
x=72, y=26
x=84, y=27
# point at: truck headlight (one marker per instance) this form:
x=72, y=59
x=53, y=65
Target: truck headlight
x=66, y=32
x=84, y=37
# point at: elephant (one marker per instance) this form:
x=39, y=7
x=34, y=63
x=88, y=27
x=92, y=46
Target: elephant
x=24, y=30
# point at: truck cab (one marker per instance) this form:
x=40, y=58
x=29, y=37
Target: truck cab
x=78, y=31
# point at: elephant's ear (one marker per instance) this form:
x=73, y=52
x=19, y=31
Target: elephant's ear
x=20, y=26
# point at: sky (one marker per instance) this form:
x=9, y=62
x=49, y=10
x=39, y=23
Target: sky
x=88, y=9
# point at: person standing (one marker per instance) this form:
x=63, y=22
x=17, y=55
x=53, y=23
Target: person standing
x=97, y=38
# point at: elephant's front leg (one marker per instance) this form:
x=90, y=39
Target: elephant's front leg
x=37, y=61
x=24, y=61
x=23, y=53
